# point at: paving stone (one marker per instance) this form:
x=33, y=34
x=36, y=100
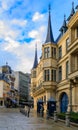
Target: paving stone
x=14, y=120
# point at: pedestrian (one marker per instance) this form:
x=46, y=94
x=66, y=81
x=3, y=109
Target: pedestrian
x=25, y=109
x=42, y=111
x=28, y=110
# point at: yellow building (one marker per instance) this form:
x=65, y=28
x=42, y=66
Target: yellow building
x=56, y=74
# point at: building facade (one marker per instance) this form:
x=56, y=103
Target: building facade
x=8, y=94
x=22, y=85
x=4, y=89
x=56, y=75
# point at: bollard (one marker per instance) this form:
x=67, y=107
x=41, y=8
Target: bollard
x=55, y=116
x=47, y=114
x=67, y=119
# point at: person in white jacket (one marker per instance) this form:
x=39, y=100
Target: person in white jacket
x=25, y=110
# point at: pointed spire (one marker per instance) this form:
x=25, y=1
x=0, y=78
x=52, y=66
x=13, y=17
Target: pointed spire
x=72, y=12
x=76, y=8
x=6, y=63
x=49, y=37
x=64, y=22
x=35, y=59
x=63, y=29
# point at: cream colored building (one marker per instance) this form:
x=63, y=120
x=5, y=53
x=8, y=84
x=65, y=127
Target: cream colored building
x=4, y=89
x=8, y=94
x=56, y=74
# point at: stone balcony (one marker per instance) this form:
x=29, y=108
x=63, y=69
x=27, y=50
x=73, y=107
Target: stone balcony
x=73, y=75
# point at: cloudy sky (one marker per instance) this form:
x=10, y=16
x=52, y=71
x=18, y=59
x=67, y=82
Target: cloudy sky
x=23, y=23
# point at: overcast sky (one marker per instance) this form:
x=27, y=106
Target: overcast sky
x=23, y=23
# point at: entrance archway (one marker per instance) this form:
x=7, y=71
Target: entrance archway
x=64, y=102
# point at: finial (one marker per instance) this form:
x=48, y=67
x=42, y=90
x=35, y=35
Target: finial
x=64, y=17
x=73, y=4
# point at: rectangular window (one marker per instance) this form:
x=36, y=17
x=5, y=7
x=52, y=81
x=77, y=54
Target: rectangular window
x=46, y=52
x=44, y=99
x=53, y=52
x=60, y=52
x=34, y=74
x=53, y=75
x=67, y=69
x=46, y=75
x=60, y=73
x=67, y=44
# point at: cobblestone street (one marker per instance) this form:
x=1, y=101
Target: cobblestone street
x=14, y=120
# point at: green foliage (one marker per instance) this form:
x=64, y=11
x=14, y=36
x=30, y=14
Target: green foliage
x=61, y=116
x=73, y=116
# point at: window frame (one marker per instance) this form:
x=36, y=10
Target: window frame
x=60, y=52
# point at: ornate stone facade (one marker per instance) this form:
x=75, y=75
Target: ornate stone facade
x=56, y=75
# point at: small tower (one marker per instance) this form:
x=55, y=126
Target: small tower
x=72, y=12
x=63, y=29
x=35, y=59
x=49, y=37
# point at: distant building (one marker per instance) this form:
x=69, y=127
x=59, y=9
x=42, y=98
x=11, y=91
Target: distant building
x=9, y=93
x=56, y=75
x=4, y=89
x=22, y=85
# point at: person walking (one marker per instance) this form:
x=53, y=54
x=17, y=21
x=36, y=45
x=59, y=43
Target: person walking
x=28, y=110
x=25, y=110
